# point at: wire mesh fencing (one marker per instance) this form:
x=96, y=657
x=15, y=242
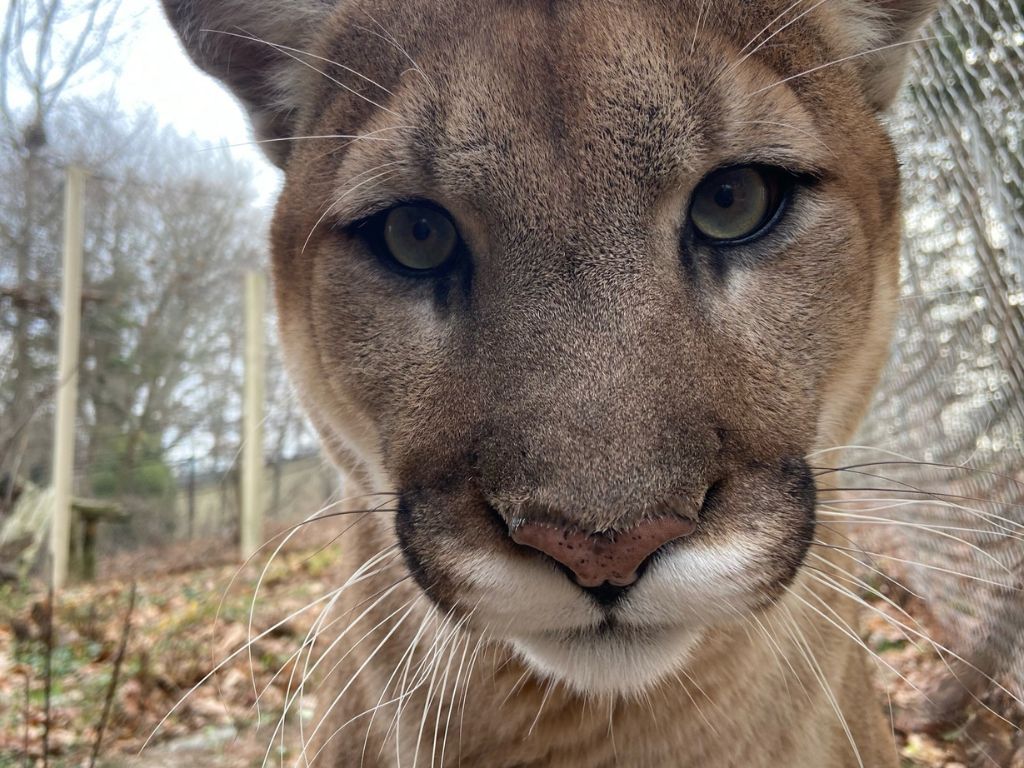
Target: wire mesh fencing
x=941, y=499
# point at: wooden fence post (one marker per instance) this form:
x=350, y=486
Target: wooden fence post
x=252, y=439
x=67, y=375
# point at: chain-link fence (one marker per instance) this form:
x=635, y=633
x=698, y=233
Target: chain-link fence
x=952, y=529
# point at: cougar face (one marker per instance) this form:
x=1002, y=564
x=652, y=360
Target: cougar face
x=582, y=283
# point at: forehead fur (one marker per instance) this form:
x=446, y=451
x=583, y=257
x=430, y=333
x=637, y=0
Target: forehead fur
x=543, y=63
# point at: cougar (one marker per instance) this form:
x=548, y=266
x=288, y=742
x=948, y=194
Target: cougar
x=574, y=292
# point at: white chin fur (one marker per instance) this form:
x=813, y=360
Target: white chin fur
x=618, y=663
x=553, y=626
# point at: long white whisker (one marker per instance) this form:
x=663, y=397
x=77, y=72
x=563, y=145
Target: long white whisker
x=842, y=60
x=387, y=37
x=697, y=26
x=780, y=654
x=764, y=42
x=919, y=564
x=231, y=656
x=330, y=208
x=354, y=137
x=768, y=26
x=843, y=627
x=465, y=692
x=370, y=657
x=255, y=597
x=442, y=691
x=819, y=673
x=364, y=572
x=939, y=648
x=455, y=693
x=935, y=530
x=802, y=131
x=288, y=52
x=405, y=692
x=441, y=639
x=307, y=670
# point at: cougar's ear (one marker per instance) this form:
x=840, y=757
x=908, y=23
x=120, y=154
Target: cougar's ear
x=252, y=46
x=880, y=34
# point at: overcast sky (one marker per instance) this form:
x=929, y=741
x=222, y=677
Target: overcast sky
x=153, y=70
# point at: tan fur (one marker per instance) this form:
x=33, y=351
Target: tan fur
x=590, y=360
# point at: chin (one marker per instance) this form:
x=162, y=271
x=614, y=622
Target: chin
x=610, y=660
x=628, y=646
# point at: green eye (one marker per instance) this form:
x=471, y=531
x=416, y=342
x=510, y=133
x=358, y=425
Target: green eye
x=419, y=237
x=737, y=204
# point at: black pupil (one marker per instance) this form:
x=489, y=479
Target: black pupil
x=724, y=197
x=421, y=230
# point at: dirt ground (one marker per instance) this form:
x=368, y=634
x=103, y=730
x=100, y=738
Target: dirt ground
x=192, y=608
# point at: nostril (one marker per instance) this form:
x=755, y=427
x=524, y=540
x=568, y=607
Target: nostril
x=599, y=558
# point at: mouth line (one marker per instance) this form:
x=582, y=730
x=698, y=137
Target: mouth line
x=610, y=628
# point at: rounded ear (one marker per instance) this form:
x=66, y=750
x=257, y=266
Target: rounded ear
x=255, y=47
x=880, y=34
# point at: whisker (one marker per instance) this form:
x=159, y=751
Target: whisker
x=920, y=463
x=441, y=696
x=697, y=26
x=366, y=571
x=817, y=671
x=932, y=529
x=938, y=495
x=465, y=691
x=287, y=51
x=405, y=658
x=842, y=60
x=802, y=131
x=455, y=691
x=919, y=564
x=847, y=630
x=231, y=656
x=387, y=37
x=768, y=26
x=782, y=657
x=516, y=687
x=549, y=686
x=385, y=175
x=252, y=607
x=374, y=600
x=735, y=65
x=370, y=657
x=354, y=137
x=298, y=652
x=693, y=701
x=940, y=650
x=406, y=694
x=880, y=573
x=436, y=650
x=373, y=711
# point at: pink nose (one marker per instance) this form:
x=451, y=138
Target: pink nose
x=601, y=557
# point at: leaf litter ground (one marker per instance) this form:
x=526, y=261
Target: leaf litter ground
x=174, y=643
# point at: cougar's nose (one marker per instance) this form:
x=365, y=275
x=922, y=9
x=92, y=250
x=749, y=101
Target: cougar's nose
x=596, y=558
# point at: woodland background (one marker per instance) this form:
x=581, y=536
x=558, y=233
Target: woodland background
x=173, y=222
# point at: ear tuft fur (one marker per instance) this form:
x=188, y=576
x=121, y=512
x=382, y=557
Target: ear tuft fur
x=245, y=43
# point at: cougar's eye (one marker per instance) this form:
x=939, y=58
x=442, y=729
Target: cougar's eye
x=737, y=204
x=418, y=237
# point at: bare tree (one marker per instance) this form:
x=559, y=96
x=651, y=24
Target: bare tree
x=45, y=45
